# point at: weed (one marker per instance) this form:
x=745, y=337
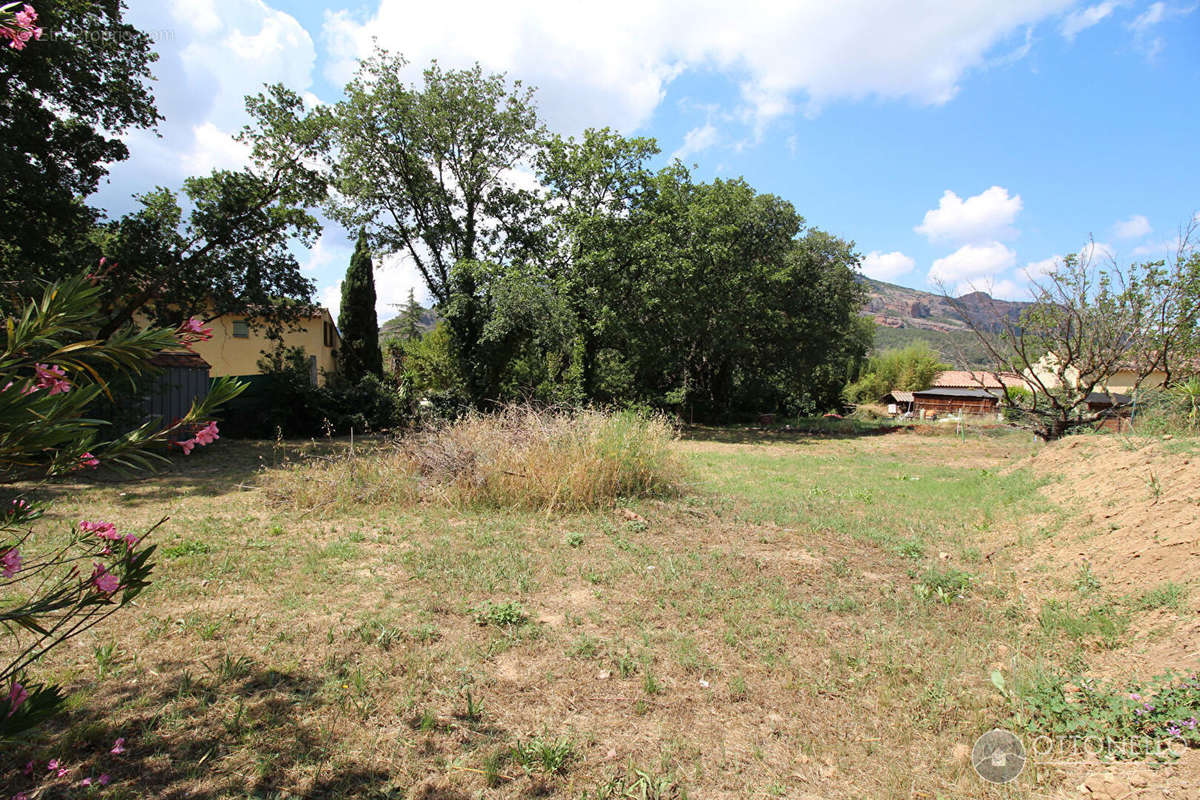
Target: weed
x=584, y=647
x=232, y=668
x=474, y=710
x=1154, y=486
x=1165, y=595
x=1103, y=622
x=911, y=548
x=574, y=539
x=493, y=765
x=425, y=633
x=635, y=783
x=551, y=757
x=945, y=585
x=626, y=664
x=188, y=547
x=650, y=684
x=106, y=657
x=503, y=615
x=1086, y=581
x=1137, y=717
x=518, y=457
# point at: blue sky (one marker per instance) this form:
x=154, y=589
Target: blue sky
x=966, y=141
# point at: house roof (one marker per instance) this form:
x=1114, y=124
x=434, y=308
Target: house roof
x=967, y=379
x=179, y=358
x=952, y=391
x=899, y=396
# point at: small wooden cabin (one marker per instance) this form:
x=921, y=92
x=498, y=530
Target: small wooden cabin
x=939, y=401
x=898, y=402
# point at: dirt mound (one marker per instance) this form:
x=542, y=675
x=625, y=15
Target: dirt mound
x=1134, y=506
x=1133, y=515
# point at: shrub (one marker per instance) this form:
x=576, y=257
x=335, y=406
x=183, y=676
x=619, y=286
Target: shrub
x=518, y=457
x=284, y=401
x=54, y=588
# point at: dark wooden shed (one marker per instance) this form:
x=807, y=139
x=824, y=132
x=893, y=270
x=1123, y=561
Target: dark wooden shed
x=183, y=380
x=1119, y=410
x=940, y=401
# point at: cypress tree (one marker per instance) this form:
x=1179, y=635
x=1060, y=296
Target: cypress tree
x=359, y=325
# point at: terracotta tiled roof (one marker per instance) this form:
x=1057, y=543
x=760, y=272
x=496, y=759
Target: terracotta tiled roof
x=964, y=379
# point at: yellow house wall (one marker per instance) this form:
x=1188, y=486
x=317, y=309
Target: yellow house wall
x=230, y=355
x=1124, y=381
x=1121, y=382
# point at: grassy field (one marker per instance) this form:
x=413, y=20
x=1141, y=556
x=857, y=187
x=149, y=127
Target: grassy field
x=813, y=616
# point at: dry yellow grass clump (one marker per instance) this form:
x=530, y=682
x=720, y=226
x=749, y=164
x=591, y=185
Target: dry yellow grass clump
x=518, y=457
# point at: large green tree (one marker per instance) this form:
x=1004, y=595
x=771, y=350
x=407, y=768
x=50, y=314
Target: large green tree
x=360, y=352
x=426, y=170
x=65, y=104
x=232, y=250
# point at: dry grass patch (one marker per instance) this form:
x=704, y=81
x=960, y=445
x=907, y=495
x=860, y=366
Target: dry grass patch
x=517, y=458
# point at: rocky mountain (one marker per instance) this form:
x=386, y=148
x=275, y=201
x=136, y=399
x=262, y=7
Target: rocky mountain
x=895, y=306
x=903, y=316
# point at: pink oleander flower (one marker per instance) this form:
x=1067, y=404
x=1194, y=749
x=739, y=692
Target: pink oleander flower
x=186, y=446
x=26, y=17
x=20, y=796
x=86, y=782
x=104, y=530
x=131, y=540
x=23, y=29
x=105, y=581
x=10, y=562
x=28, y=768
x=103, y=779
x=53, y=378
x=118, y=746
x=208, y=434
x=194, y=331
x=53, y=765
x=16, y=696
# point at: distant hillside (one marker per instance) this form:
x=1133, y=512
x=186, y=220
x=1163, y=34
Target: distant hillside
x=905, y=315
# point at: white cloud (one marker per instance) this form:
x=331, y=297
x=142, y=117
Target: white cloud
x=1078, y=21
x=886, y=266
x=1039, y=269
x=1135, y=227
x=213, y=148
x=697, y=140
x=614, y=67
x=1157, y=249
x=999, y=288
x=1144, y=26
x=988, y=215
x=212, y=53
x=973, y=262
x=1096, y=253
